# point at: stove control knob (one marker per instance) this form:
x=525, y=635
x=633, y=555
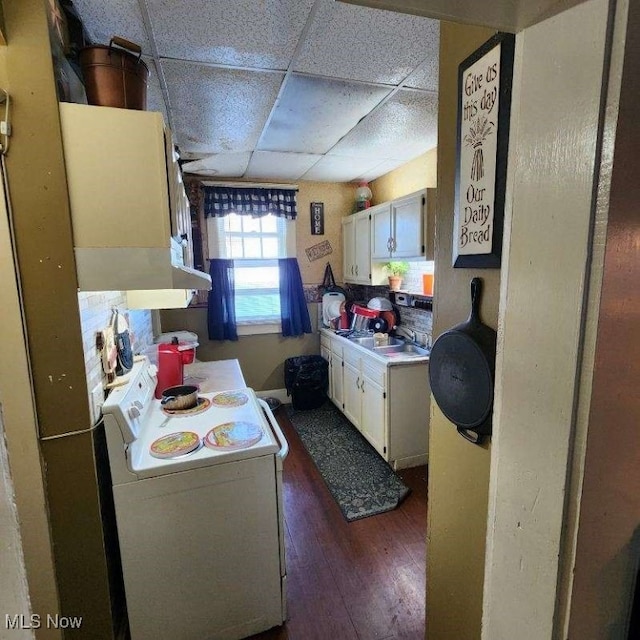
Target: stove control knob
x=134, y=412
x=137, y=404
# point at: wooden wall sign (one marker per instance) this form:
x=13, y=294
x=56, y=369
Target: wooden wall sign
x=317, y=218
x=484, y=107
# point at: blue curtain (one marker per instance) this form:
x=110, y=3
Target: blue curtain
x=293, y=307
x=256, y=202
x=221, y=311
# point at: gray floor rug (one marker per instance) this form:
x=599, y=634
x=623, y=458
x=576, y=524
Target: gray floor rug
x=360, y=481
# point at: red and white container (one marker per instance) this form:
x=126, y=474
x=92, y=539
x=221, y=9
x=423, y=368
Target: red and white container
x=361, y=317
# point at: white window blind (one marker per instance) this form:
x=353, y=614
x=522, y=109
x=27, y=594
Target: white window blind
x=254, y=244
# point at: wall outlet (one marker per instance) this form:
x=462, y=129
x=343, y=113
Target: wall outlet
x=97, y=400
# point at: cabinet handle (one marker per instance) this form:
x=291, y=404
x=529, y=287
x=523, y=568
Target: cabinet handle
x=362, y=386
x=356, y=269
x=357, y=383
x=389, y=245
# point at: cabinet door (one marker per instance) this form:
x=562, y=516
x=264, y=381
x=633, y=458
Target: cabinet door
x=362, y=245
x=348, y=250
x=380, y=231
x=407, y=218
x=325, y=352
x=352, y=393
x=337, y=384
x=374, y=415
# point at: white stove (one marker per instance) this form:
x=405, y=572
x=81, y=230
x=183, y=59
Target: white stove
x=201, y=535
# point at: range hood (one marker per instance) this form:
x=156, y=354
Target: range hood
x=132, y=269
x=130, y=215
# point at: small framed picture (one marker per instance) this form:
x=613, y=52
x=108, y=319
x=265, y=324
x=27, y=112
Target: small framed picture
x=484, y=108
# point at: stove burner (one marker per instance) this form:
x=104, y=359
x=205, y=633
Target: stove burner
x=233, y=435
x=202, y=405
x=230, y=399
x=175, y=445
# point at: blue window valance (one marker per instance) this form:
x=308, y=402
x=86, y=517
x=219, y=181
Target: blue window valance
x=256, y=202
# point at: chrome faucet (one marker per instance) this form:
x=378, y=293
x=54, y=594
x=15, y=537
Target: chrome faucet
x=407, y=333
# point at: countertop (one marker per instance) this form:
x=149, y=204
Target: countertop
x=217, y=375
x=397, y=359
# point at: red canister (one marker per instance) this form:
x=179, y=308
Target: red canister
x=170, y=368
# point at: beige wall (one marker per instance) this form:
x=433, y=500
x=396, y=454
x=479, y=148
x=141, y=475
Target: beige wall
x=419, y=173
x=458, y=470
x=18, y=424
x=339, y=200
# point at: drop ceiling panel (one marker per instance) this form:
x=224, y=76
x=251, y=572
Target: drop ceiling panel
x=340, y=169
x=118, y=18
x=383, y=134
x=238, y=32
x=314, y=113
x=218, y=110
x=366, y=44
x=272, y=165
x=227, y=165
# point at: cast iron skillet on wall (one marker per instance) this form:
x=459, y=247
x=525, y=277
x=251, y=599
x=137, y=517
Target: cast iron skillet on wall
x=462, y=370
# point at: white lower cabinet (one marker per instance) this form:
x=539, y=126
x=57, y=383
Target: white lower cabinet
x=389, y=405
x=352, y=400
x=374, y=414
x=332, y=353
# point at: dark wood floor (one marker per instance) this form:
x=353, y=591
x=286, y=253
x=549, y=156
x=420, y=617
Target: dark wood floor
x=363, y=580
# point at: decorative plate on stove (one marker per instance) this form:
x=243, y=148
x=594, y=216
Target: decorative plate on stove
x=230, y=399
x=202, y=405
x=175, y=444
x=233, y=435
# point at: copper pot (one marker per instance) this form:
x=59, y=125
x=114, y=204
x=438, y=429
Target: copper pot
x=114, y=77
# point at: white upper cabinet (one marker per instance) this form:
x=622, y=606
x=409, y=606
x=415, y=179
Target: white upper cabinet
x=356, y=248
x=380, y=231
x=397, y=228
x=130, y=214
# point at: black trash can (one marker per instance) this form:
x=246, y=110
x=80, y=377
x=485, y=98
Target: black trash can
x=306, y=379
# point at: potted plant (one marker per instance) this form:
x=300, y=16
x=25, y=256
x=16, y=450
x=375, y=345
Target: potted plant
x=396, y=270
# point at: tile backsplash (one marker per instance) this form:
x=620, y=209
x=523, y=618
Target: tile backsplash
x=95, y=315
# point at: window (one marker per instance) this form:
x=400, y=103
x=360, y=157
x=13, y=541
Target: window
x=254, y=244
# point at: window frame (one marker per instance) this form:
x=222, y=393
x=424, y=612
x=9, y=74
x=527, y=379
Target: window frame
x=218, y=248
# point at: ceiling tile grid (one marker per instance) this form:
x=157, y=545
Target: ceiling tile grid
x=260, y=34
x=383, y=134
x=218, y=110
x=281, y=89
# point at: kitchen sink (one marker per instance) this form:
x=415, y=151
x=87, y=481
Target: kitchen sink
x=369, y=343
x=403, y=348
x=395, y=346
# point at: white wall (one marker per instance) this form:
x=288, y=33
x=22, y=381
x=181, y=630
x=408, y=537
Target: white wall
x=552, y=160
